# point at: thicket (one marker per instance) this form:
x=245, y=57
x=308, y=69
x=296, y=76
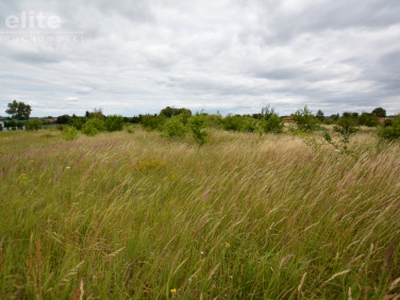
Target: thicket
x=390, y=130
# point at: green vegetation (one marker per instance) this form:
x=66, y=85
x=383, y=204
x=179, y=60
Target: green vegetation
x=174, y=126
x=19, y=110
x=122, y=216
x=93, y=127
x=304, y=120
x=33, y=124
x=391, y=129
x=69, y=133
x=114, y=123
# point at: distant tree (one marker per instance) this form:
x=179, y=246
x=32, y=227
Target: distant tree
x=77, y=122
x=114, y=123
x=19, y=110
x=304, y=120
x=349, y=114
x=368, y=119
x=334, y=117
x=64, y=119
x=379, y=112
x=267, y=112
x=97, y=113
x=171, y=111
x=320, y=115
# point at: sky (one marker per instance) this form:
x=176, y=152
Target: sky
x=136, y=57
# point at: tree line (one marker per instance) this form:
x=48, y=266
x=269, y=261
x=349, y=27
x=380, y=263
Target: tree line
x=171, y=121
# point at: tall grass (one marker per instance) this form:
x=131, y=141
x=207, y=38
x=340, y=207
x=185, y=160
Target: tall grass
x=141, y=216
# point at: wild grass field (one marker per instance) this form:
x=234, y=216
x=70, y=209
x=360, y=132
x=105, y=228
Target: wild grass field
x=122, y=215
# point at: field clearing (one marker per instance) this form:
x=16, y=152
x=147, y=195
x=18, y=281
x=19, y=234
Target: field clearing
x=124, y=215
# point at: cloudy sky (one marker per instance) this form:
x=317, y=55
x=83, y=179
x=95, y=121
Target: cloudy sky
x=131, y=57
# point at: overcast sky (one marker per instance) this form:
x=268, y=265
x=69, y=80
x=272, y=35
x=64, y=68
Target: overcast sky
x=131, y=57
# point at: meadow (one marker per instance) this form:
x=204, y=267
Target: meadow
x=135, y=215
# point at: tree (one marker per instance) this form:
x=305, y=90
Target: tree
x=267, y=112
x=97, y=113
x=368, y=119
x=169, y=112
x=64, y=119
x=379, y=112
x=19, y=110
x=320, y=115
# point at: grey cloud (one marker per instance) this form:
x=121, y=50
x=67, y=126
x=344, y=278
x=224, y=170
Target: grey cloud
x=233, y=56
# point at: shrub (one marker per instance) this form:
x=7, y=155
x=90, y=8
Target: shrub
x=114, y=123
x=391, y=130
x=304, y=120
x=368, y=120
x=77, y=122
x=274, y=124
x=213, y=121
x=93, y=126
x=69, y=133
x=197, y=126
x=247, y=124
x=152, y=122
x=174, y=127
x=33, y=124
x=233, y=123
x=346, y=126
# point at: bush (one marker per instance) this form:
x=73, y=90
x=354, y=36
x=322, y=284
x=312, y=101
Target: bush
x=197, y=126
x=247, y=124
x=234, y=123
x=114, y=123
x=391, y=130
x=152, y=122
x=77, y=122
x=69, y=133
x=93, y=127
x=174, y=127
x=213, y=121
x=274, y=124
x=33, y=124
x=346, y=126
x=304, y=120
x=368, y=120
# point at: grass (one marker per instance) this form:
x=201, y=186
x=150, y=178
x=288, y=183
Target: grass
x=125, y=215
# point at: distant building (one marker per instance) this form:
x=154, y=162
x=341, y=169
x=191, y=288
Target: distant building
x=382, y=120
x=14, y=125
x=288, y=118
x=51, y=120
x=2, y=122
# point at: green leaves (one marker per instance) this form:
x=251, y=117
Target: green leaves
x=19, y=110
